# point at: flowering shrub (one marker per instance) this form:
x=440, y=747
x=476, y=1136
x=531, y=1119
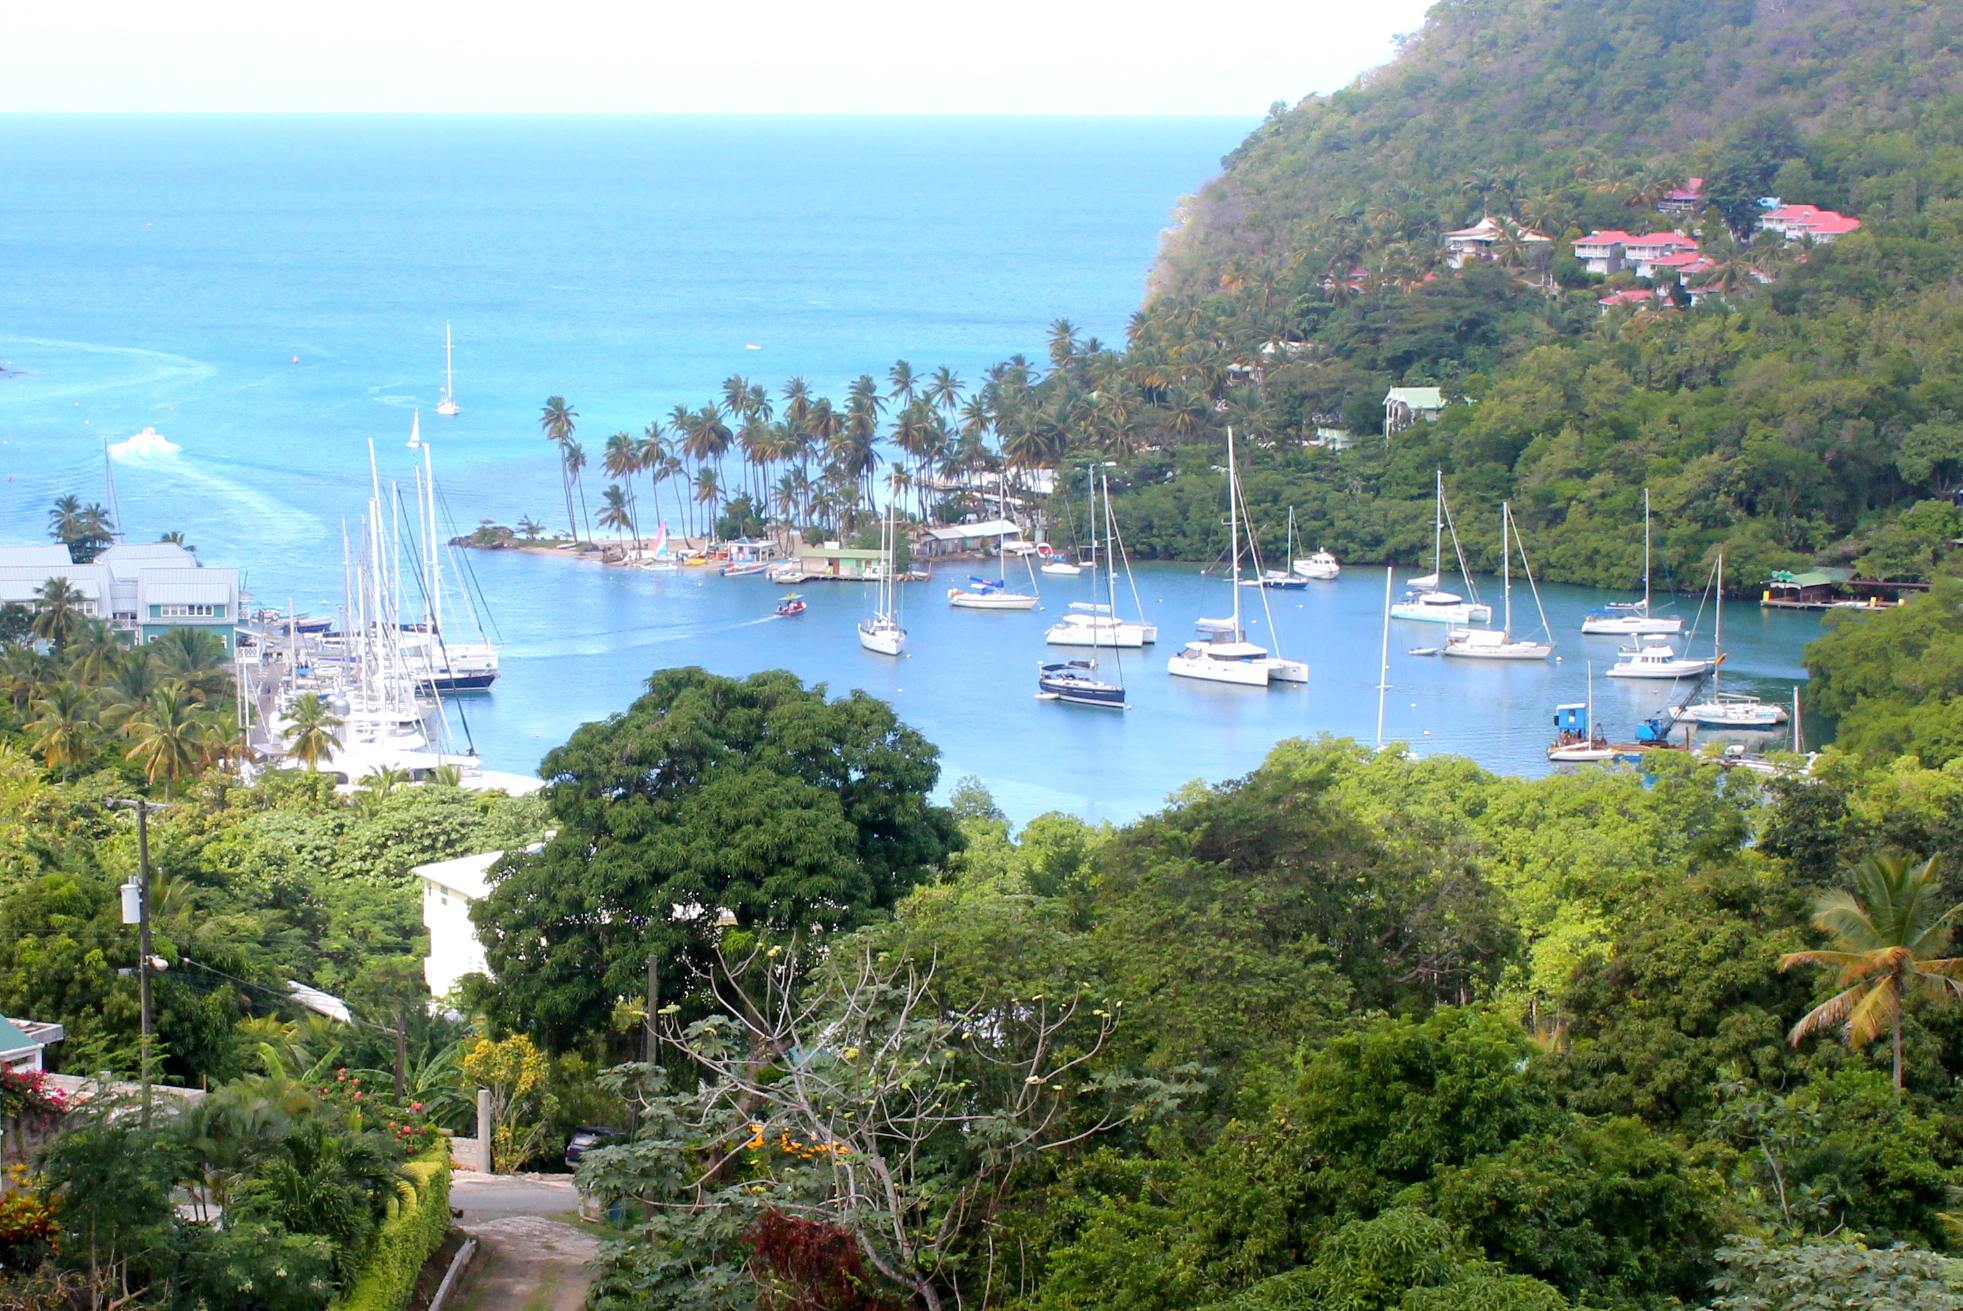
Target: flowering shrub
x=28, y=1230
x=26, y=1092
x=368, y=1106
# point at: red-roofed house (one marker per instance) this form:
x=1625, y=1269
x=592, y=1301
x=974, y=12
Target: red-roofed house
x=1807, y=222
x=1684, y=200
x=1663, y=266
x=1652, y=246
x=1476, y=242
x=1634, y=296
x=1602, y=251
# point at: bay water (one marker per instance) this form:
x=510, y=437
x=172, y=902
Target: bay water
x=270, y=294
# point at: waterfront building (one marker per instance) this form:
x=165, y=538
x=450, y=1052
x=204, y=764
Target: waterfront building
x=144, y=589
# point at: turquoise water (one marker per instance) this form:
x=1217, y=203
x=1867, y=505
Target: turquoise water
x=166, y=272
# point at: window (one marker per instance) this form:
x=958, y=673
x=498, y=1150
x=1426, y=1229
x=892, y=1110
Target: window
x=184, y=611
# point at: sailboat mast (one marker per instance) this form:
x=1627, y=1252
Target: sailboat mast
x=1234, y=531
x=449, y=374
x=1438, y=527
x=435, y=547
x=1383, y=658
x=1646, y=565
x=1506, y=565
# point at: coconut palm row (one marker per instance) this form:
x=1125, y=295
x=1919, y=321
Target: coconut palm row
x=798, y=458
x=83, y=697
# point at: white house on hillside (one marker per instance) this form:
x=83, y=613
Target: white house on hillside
x=143, y=589
x=1404, y=406
x=449, y=886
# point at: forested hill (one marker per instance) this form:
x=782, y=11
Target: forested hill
x=1520, y=100
x=1808, y=400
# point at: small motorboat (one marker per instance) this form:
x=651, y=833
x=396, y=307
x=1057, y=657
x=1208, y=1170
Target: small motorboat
x=1320, y=565
x=1062, y=568
x=1076, y=681
x=1422, y=651
x=744, y=568
x=1276, y=578
x=792, y=604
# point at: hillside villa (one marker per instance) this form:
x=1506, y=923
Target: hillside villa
x=1476, y=242
x=1404, y=406
x=144, y=589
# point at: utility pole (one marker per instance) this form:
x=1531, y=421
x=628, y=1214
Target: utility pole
x=401, y=1059
x=142, y=808
x=649, y=1041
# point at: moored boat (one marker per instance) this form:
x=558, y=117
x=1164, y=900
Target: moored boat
x=1076, y=681
x=1424, y=600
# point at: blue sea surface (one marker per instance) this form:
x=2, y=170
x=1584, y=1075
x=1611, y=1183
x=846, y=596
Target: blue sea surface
x=270, y=295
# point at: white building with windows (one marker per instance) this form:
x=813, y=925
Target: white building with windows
x=144, y=589
x=449, y=886
x=1404, y=406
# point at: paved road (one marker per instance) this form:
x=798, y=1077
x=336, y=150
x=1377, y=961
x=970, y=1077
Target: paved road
x=530, y=1259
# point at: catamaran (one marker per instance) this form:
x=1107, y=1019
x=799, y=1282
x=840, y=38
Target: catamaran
x=448, y=405
x=1221, y=653
x=1627, y=617
x=1490, y=644
x=1729, y=709
x=1423, y=599
x=994, y=594
x=1097, y=623
x=882, y=633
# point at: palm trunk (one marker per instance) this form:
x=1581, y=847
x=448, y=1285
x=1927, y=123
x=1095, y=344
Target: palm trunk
x=1898, y=1044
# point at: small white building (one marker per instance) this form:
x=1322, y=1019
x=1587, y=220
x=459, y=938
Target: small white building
x=1602, y=251
x=1404, y=406
x=23, y=1041
x=957, y=538
x=1477, y=241
x=449, y=886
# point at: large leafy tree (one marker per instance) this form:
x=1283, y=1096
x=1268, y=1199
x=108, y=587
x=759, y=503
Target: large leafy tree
x=709, y=800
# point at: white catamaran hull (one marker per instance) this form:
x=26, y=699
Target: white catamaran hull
x=1247, y=672
x=1465, y=612
x=1287, y=671
x=967, y=600
x=1629, y=625
x=1726, y=714
x=1075, y=631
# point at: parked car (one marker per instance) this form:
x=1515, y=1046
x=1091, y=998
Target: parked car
x=590, y=1135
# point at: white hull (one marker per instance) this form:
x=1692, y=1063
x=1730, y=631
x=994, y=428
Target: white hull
x=1630, y=625
x=883, y=638
x=1315, y=568
x=1724, y=714
x=1466, y=612
x=1245, y=673
x=1107, y=634
x=1504, y=651
x=1062, y=570
x=1662, y=669
x=447, y=407
x=1580, y=754
x=1288, y=671
x=967, y=600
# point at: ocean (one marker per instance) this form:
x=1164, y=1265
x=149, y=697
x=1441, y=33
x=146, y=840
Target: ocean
x=270, y=295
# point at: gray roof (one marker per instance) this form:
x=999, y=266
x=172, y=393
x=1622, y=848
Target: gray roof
x=956, y=532
x=21, y=582
x=44, y=558
x=167, y=587
x=128, y=559
x=1418, y=398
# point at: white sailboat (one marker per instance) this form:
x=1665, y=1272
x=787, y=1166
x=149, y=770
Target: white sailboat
x=1654, y=657
x=1097, y=623
x=448, y=405
x=1424, y=600
x=1632, y=617
x=882, y=633
x=1222, y=653
x=1500, y=644
x=987, y=594
x=440, y=660
x=1739, y=710
x=1281, y=578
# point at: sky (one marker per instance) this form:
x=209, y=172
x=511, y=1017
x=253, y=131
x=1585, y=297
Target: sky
x=660, y=56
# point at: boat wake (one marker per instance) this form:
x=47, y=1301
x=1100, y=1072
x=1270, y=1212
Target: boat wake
x=608, y=641
x=271, y=522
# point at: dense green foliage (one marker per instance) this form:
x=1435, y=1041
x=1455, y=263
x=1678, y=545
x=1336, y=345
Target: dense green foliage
x=408, y=1236
x=753, y=800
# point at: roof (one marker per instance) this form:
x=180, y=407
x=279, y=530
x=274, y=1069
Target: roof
x=12, y=1040
x=34, y=557
x=150, y=552
x=1633, y=296
x=1662, y=239
x=463, y=875
x=20, y=584
x=1489, y=229
x=216, y=592
x=1692, y=189
x=1823, y=577
x=988, y=528
x=1612, y=237
x=843, y=553
x=1418, y=398
x=1677, y=260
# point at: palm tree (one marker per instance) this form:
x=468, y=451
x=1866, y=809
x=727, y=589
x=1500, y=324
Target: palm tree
x=530, y=528
x=310, y=735
x=168, y=737
x=92, y=652
x=1888, y=938
x=622, y=460
x=557, y=420
x=708, y=491
x=65, y=521
x=1063, y=342
x=58, y=613
x=944, y=389
x=24, y=672
x=904, y=381
x=60, y=730
x=614, y=510
x=575, y=460
x=94, y=531
x=196, y=659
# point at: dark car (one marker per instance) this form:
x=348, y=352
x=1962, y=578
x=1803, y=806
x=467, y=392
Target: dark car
x=590, y=1135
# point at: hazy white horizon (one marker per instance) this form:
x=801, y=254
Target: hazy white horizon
x=767, y=57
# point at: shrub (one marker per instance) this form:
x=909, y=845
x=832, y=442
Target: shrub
x=407, y=1238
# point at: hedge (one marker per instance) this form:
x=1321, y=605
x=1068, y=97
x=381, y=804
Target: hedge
x=408, y=1237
